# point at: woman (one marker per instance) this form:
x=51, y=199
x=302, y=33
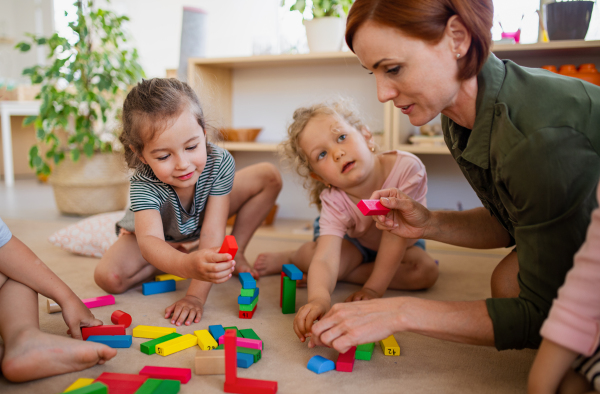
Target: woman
x=526, y=140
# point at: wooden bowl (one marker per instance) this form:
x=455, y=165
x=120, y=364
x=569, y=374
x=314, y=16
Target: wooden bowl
x=240, y=135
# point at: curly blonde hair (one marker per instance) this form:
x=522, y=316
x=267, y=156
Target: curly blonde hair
x=290, y=151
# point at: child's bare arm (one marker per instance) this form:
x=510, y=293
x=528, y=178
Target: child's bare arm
x=322, y=278
x=389, y=257
x=549, y=368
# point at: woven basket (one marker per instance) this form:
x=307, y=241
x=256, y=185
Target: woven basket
x=92, y=185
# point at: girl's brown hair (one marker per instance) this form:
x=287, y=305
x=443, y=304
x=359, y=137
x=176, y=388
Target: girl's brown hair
x=294, y=156
x=426, y=20
x=149, y=108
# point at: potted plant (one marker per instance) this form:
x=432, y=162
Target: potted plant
x=82, y=89
x=325, y=31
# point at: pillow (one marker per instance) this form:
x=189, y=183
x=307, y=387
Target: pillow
x=91, y=236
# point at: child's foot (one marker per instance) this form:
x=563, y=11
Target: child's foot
x=241, y=265
x=270, y=263
x=35, y=354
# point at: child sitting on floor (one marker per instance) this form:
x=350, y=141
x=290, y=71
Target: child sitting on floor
x=29, y=353
x=335, y=153
x=184, y=188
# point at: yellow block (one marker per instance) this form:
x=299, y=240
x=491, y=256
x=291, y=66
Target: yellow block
x=389, y=346
x=162, y=277
x=79, y=383
x=176, y=344
x=205, y=340
x=152, y=332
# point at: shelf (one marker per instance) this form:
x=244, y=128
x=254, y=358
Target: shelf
x=567, y=47
x=249, y=146
x=425, y=149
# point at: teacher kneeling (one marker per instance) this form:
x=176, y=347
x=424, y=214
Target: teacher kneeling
x=527, y=141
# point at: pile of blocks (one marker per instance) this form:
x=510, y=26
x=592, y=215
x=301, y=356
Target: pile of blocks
x=248, y=298
x=287, y=295
x=249, y=350
x=113, y=336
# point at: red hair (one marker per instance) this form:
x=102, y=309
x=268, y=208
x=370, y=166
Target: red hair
x=427, y=20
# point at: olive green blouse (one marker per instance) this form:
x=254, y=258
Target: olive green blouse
x=533, y=160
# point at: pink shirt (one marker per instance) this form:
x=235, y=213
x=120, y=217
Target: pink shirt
x=574, y=319
x=340, y=216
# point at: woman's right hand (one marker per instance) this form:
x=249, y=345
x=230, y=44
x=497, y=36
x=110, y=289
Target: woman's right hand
x=407, y=218
x=209, y=265
x=306, y=317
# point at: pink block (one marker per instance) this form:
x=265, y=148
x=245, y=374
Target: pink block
x=99, y=301
x=245, y=342
x=182, y=374
x=345, y=361
x=372, y=207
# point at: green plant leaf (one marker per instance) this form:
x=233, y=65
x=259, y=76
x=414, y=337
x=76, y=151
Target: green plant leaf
x=29, y=120
x=88, y=149
x=75, y=153
x=23, y=46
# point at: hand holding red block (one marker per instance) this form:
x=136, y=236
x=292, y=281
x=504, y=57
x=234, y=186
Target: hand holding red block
x=229, y=246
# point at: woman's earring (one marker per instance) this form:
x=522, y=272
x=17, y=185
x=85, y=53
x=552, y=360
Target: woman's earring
x=372, y=149
x=457, y=55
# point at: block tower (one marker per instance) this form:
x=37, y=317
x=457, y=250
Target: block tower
x=248, y=297
x=289, y=276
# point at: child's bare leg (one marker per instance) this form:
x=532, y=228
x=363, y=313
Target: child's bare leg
x=122, y=266
x=574, y=383
x=417, y=270
x=255, y=189
x=32, y=354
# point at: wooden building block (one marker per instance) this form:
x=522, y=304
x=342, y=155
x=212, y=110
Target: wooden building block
x=292, y=272
x=150, y=347
x=205, y=340
x=181, y=374
x=364, y=352
x=237, y=332
x=249, y=333
x=93, y=302
x=114, y=341
x=217, y=331
x=244, y=360
x=245, y=342
x=177, y=344
x=345, y=361
x=247, y=280
x=117, y=329
x=249, y=307
x=283, y=275
x=120, y=317
x=248, y=300
x=229, y=246
x=256, y=353
x=163, y=277
x=152, y=332
x=94, y=388
x=389, y=346
x=319, y=364
x=251, y=386
x=248, y=292
x=209, y=363
x=168, y=387
x=372, y=207
x=247, y=315
x=121, y=383
x=79, y=383
x=220, y=347
x=289, y=296
x=229, y=340
x=149, y=386
x=164, y=286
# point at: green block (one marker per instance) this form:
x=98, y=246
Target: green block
x=94, y=388
x=150, y=346
x=249, y=307
x=234, y=328
x=256, y=353
x=364, y=352
x=289, y=296
x=220, y=347
x=247, y=292
x=250, y=334
x=149, y=386
x=168, y=387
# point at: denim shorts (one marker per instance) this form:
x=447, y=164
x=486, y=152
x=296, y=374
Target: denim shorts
x=368, y=255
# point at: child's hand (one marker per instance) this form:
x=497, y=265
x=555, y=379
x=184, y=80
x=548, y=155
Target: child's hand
x=188, y=309
x=306, y=316
x=210, y=266
x=363, y=295
x=77, y=315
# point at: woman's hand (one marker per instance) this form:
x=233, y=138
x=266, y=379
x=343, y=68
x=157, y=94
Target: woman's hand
x=77, y=315
x=209, y=266
x=363, y=294
x=188, y=309
x=306, y=316
x=407, y=218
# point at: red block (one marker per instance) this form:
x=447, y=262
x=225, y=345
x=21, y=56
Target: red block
x=229, y=246
x=372, y=207
x=120, y=317
x=121, y=383
x=102, y=330
x=230, y=357
x=182, y=374
x=345, y=361
x=248, y=315
x=251, y=386
x=281, y=290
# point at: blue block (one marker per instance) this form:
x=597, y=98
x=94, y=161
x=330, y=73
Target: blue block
x=164, y=286
x=247, y=280
x=115, y=341
x=319, y=364
x=217, y=331
x=248, y=300
x=292, y=272
x=244, y=360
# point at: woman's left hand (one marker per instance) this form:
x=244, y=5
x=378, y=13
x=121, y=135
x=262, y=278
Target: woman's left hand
x=188, y=309
x=355, y=323
x=363, y=294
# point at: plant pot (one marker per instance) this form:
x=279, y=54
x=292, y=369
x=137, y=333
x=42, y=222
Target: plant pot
x=568, y=20
x=92, y=185
x=325, y=34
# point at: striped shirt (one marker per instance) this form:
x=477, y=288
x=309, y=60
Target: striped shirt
x=179, y=225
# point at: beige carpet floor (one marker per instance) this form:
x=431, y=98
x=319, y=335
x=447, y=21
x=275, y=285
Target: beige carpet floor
x=425, y=366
